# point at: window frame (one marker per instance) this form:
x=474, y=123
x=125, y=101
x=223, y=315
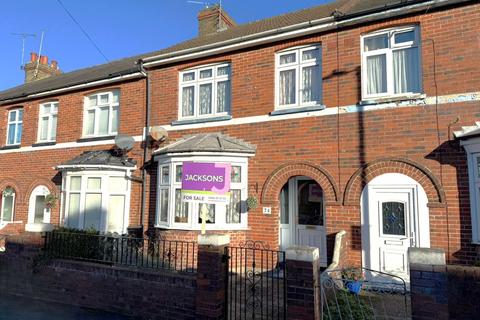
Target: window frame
x=197, y=82
x=103, y=190
x=392, y=46
x=298, y=66
x=111, y=105
x=16, y=122
x=3, y=203
x=50, y=117
x=193, y=214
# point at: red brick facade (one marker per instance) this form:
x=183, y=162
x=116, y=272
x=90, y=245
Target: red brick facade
x=342, y=151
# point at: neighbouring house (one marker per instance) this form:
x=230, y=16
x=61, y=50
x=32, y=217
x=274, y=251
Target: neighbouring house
x=353, y=115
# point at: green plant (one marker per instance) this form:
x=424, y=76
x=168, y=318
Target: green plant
x=352, y=273
x=347, y=306
x=252, y=202
x=51, y=201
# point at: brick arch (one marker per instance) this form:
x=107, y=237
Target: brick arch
x=9, y=182
x=275, y=182
x=40, y=182
x=416, y=171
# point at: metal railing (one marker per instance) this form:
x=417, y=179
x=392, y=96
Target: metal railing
x=126, y=251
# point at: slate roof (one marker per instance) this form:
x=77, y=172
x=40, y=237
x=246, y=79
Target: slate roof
x=128, y=65
x=100, y=157
x=207, y=142
x=468, y=132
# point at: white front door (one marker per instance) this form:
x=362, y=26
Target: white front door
x=394, y=218
x=302, y=216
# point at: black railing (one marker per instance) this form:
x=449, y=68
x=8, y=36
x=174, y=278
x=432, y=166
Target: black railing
x=126, y=251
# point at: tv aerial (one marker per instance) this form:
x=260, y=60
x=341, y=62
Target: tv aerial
x=24, y=37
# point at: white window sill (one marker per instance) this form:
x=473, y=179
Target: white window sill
x=96, y=138
x=288, y=110
x=201, y=120
x=187, y=228
x=44, y=143
x=397, y=98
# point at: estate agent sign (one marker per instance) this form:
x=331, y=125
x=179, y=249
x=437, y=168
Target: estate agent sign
x=206, y=182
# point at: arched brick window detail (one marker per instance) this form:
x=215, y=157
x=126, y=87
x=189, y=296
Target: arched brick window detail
x=4, y=183
x=418, y=172
x=41, y=182
x=280, y=176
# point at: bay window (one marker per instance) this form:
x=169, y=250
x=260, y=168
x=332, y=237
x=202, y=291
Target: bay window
x=101, y=114
x=47, y=127
x=14, y=127
x=174, y=213
x=391, y=63
x=205, y=92
x=299, y=77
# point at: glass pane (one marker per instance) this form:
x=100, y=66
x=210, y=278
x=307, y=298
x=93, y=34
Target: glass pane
x=12, y=116
x=236, y=175
x=223, y=96
x=165, y=175
x=117, y=184
x=376, y=74
x=18, y=137
x=94, y=183
x=287, y=58
x=115, y=120
x=75, y=183
x=234, y=208
x=116, y=210
x=406, y=70
x=73, y=210
x=376, y=42
x=20, y=115
x=181, y=208
x=46, y=109
x=92, y=101
x=44, y=129
x=7, y=207
x=206, y=98
x=163, y=205
x=178, y=173
x=311, y=54
x=103, y=121
x=311, y=84
x=310, y=203
x=11, y=134
x=284, y=205
x=115, y=97
x=221, y=71
x=188, y=95
x=53, y=134
x=90, y=123
x=104, y=98
x=206, y=74
x=206, y=211
x=408, y=36
x=393, y=218
x=93, y=211
x=287, y=87
x=189, y=76
x=39, y=209
x=55, y=108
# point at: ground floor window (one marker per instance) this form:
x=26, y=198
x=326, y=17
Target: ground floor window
x=96, y=200
x=38, y=211
x=8, y=205
x=173, y=213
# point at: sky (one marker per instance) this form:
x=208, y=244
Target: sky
x=120, y=28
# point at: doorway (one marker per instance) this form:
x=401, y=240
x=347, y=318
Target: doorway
x=302, y=216
x=38, y=212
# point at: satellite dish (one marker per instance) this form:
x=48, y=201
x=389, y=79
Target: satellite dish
x=158, y=133
x=124, y=142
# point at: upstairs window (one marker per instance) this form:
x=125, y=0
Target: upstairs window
x=47, y=128
x=101, y=115
x=299, y=77
x=391, y=63
x=15, y=126
x=205, y=92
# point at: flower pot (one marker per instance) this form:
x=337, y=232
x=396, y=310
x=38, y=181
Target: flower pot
x=354, y=286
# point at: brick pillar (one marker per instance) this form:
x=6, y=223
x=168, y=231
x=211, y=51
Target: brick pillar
x=211, y=275
x=428, y=284
x=303, y=283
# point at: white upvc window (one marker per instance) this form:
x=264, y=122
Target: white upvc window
x=391, y=64
x=14, y=127
x=472, y=148
x=173, y=213
x=8, y=205
x=101, y=114
x=97, y=200
x=47, y=123
x=205, y=92
x=298, y=77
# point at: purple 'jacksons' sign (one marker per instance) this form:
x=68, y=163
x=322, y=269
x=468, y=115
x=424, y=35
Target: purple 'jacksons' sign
x=200, y=179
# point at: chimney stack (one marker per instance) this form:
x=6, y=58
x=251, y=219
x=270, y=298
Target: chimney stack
x=38, y=69
x=213, y=19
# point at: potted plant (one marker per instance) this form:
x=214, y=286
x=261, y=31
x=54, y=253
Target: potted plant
x=50, y=201
x=353, y=279
x=252, y=202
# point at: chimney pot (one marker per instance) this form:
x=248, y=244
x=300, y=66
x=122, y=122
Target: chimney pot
x=54, y=64
x=44, y=60
x=33, y=57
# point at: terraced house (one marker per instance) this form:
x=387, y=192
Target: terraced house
x=354, y=115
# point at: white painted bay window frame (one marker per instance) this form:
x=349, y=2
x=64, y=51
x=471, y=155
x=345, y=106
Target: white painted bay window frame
x=389, y=63
x=17, y=122
x=197, y=81
x=472, y=148
x=51, y=125
x=298, y=65
x=168, y=187
x=112, y=104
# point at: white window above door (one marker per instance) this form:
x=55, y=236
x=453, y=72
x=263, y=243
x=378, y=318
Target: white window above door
x=47, y=122
x=101, y=114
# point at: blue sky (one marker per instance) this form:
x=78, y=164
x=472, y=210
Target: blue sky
x=120, y=28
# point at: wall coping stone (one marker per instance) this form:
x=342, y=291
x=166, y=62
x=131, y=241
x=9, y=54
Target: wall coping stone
x=427, y=256
x=302, y=253
x=213, y=239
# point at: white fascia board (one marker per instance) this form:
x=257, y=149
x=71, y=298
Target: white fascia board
x=202, y=154
x=93, y=167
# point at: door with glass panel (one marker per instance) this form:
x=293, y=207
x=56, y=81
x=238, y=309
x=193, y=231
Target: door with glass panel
x=302, y=215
